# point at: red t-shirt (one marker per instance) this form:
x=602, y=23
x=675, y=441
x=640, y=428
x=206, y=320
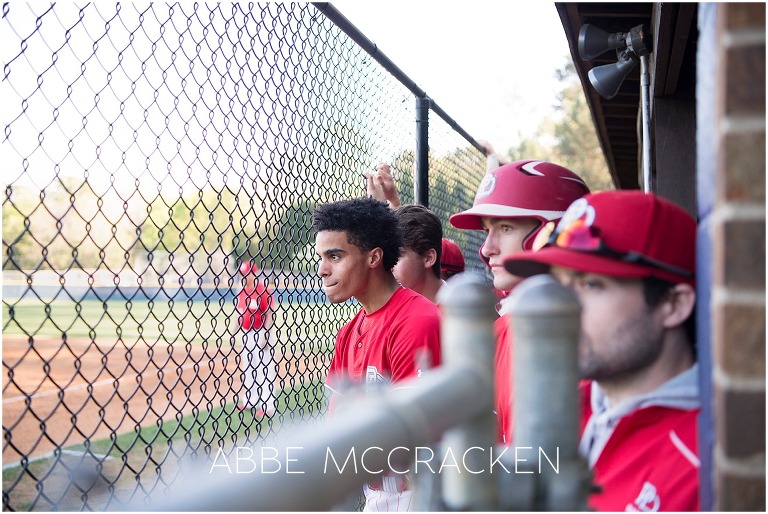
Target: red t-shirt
x=388, y=344
x=502, y=329
x=253, y=304
x=649, y=463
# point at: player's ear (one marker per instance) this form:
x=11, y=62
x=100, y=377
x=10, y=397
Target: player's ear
x=679, y=305
x=375, y=257
x=430, y=258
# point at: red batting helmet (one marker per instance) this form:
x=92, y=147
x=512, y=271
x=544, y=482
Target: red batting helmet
x=248, y=267
x=523, y=189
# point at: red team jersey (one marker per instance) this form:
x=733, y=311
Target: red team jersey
x=386, y=345
x=253, y=304
x=650, y=463
x=503, y=360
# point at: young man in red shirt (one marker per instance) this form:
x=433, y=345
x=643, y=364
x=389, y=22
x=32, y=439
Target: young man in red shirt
x=419, y=265
x=513, y=203
x=630, y=258
x=396, y=333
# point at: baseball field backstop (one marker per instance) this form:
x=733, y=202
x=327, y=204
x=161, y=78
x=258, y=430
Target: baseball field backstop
x=149, y=149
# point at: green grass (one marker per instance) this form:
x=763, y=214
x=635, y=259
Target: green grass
x=306, y=327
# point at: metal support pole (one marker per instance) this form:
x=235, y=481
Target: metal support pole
x=645, y=105
x=550, y=473
x=467, y=336
x=421, y=168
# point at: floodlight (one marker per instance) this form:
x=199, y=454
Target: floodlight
x=631, y=47
x=607, y=79
x=594, y=41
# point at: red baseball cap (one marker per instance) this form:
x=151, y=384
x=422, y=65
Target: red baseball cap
x=626, y=233
x=248, y=267
x=452, y=259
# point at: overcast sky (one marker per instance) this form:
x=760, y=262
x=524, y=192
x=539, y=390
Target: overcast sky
x=490, y=64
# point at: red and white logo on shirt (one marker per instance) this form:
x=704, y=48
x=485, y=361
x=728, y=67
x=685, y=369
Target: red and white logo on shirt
x=374, y=380
x=647, y=501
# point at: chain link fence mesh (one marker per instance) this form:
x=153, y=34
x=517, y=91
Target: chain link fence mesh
x=148, y=150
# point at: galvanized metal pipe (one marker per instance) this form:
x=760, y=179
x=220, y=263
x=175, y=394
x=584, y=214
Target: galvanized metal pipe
x=545, y=327
x=467, y=333
x=645, y=106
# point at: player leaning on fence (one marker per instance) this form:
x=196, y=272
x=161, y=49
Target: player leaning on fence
x=429, y=259
x=513, y=203
x=359, y=242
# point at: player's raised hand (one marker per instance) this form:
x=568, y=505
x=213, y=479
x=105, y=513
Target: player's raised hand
x=381, y=186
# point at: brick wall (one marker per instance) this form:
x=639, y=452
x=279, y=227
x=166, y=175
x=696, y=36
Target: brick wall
x=738, y=268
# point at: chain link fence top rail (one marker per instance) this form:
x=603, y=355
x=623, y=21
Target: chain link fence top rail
x=148, y=150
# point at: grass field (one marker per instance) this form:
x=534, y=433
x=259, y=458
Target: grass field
x=307, y=325
x=136, y=462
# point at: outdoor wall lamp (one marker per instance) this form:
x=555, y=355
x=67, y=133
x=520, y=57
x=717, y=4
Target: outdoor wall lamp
x=631, y=47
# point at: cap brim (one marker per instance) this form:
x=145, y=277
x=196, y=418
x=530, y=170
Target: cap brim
x=529, y=263
x=467, y=220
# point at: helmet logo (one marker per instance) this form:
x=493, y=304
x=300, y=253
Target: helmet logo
x=486, y=187
x=578, y=209
x=530, y=168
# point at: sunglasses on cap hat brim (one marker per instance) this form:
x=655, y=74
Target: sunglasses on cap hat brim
x=576, y=246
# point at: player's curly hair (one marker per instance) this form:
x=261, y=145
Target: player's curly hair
x=368, y=223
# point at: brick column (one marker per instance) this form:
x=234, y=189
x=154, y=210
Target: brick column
x=738, y=270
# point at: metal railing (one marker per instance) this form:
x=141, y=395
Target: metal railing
x=147, y=150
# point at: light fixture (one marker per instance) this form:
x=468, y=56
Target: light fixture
x=631, y=47
x=593, y=41
x=607, y=79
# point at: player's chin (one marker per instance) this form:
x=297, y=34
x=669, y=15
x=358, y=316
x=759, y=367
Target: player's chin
x=335, y=297
x=505, y=281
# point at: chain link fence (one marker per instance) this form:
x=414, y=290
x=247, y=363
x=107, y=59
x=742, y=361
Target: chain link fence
x=148, y=150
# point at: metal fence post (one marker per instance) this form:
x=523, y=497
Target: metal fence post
x=421, y=173
x=545, y=327
x=467, y=305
